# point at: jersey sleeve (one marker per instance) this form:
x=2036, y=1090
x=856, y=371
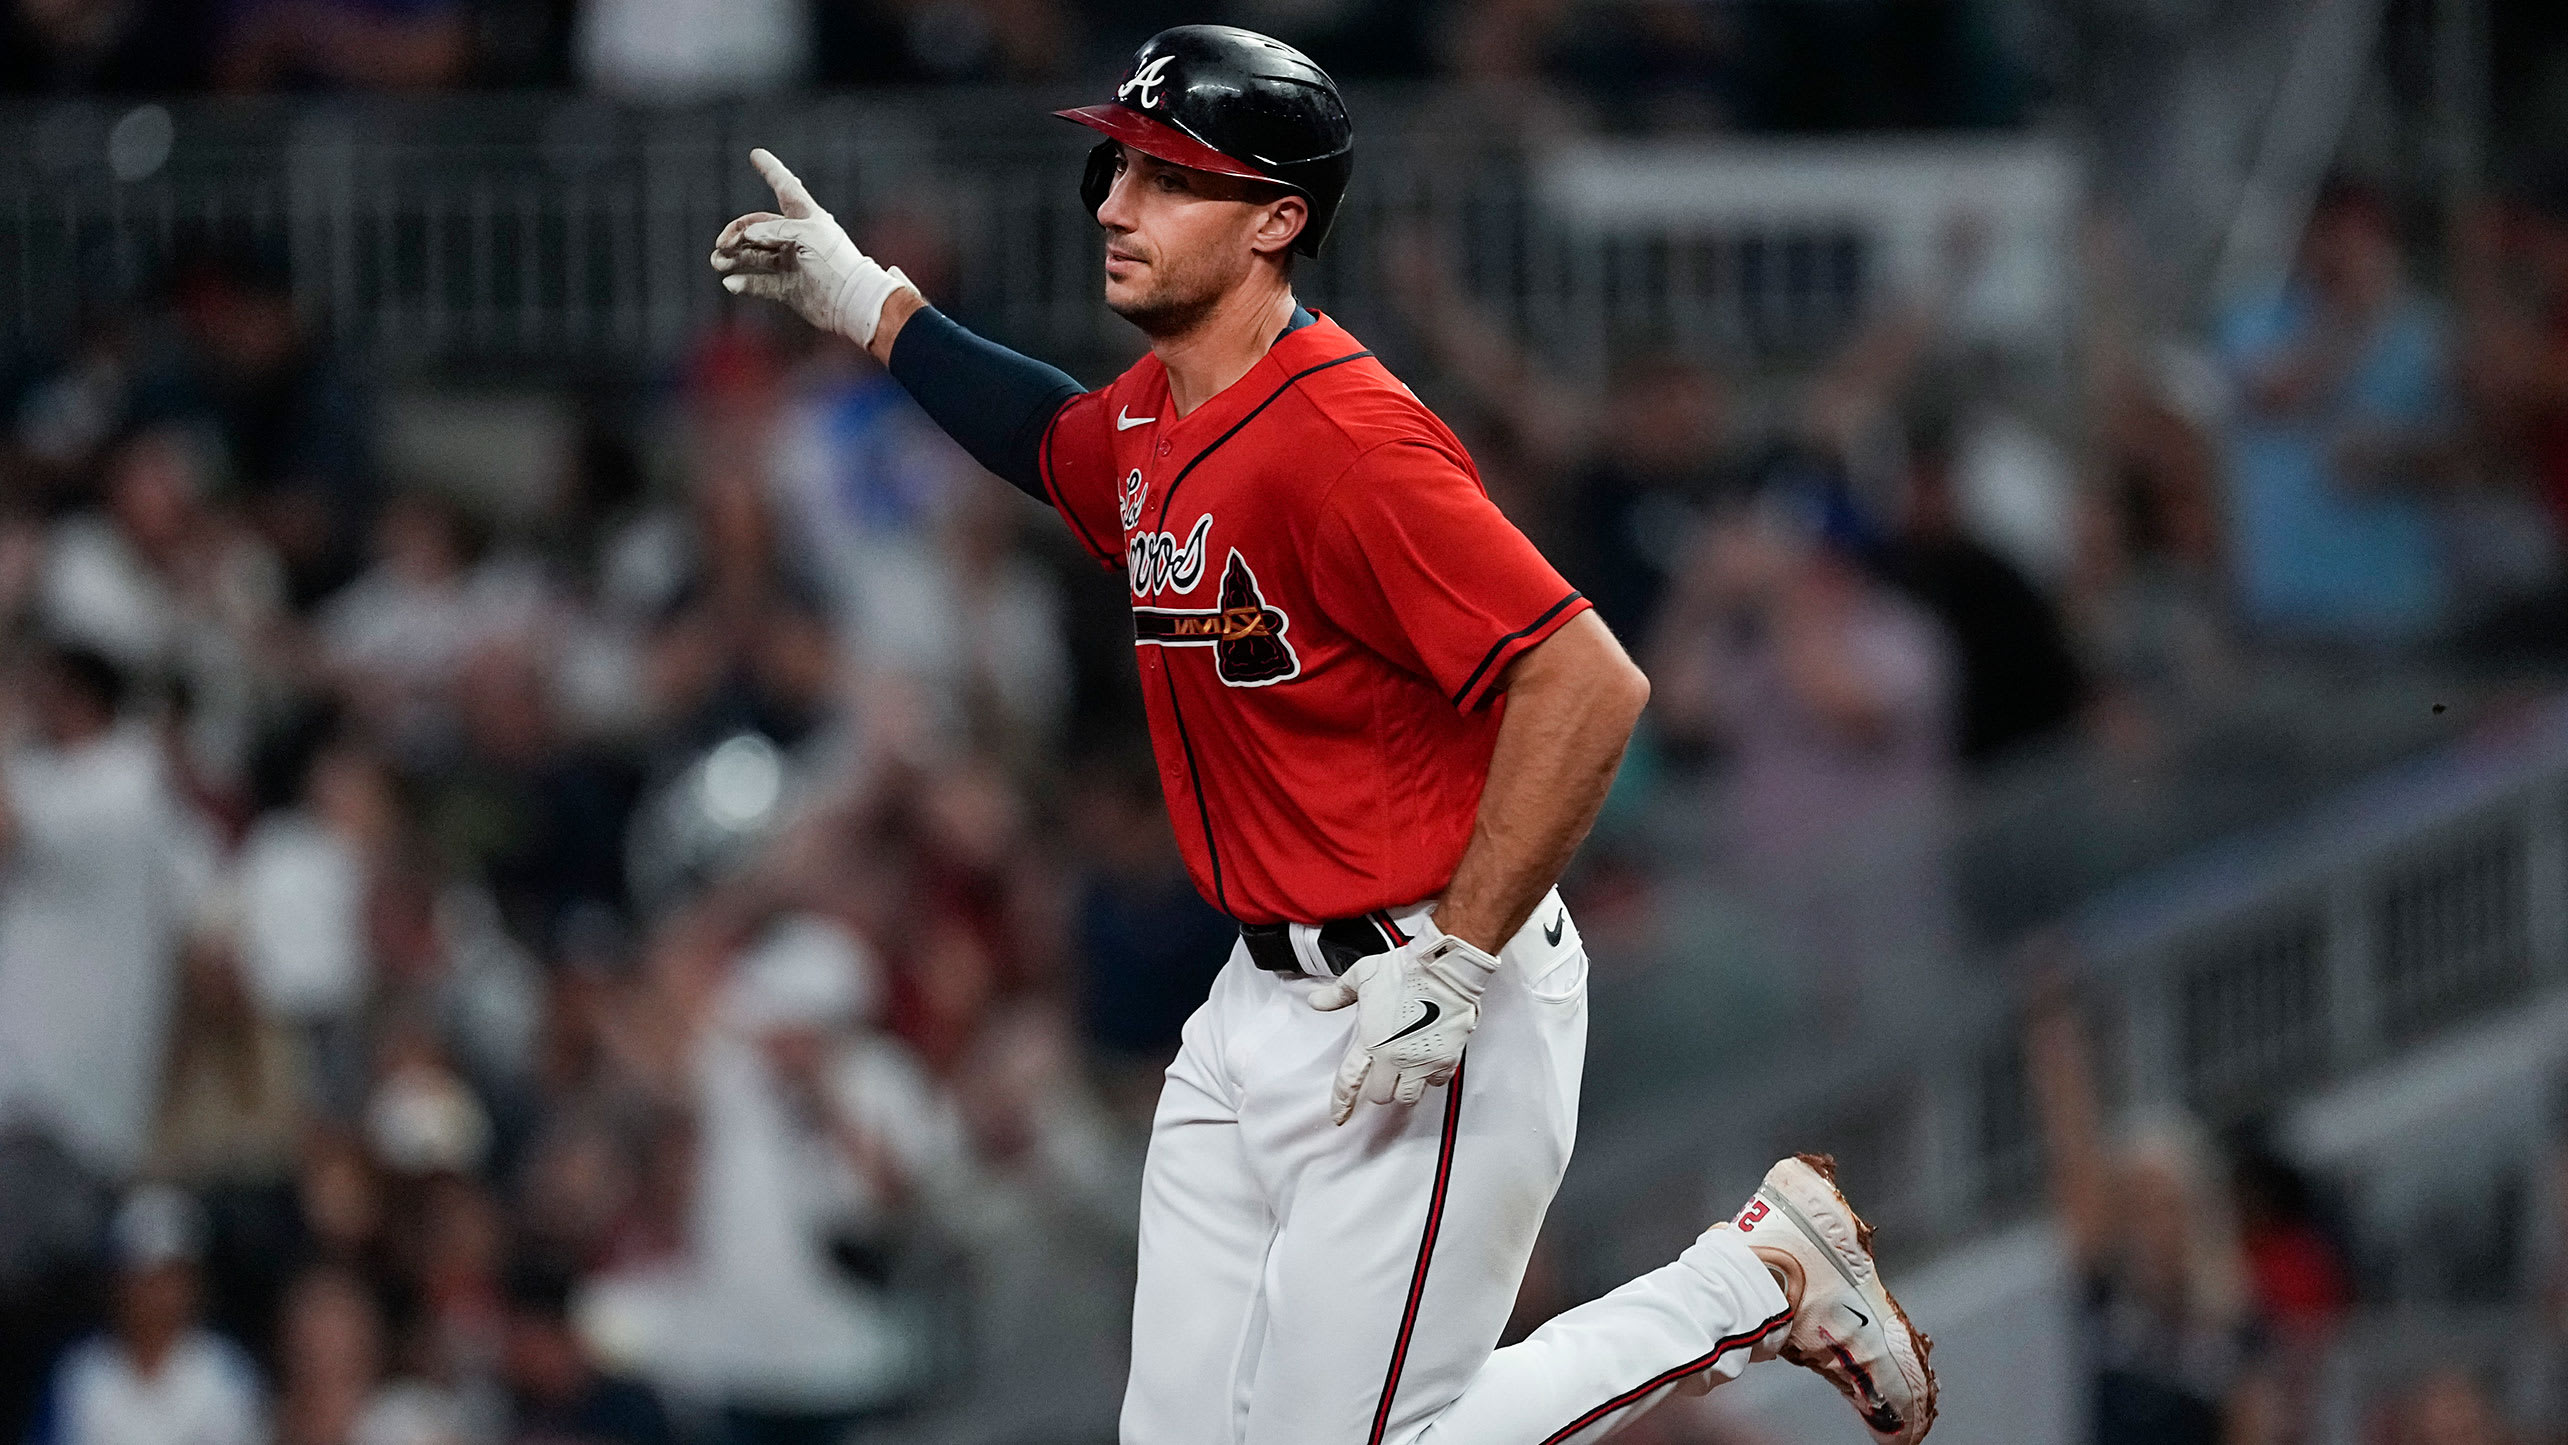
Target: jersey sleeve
x=1076, y=464
x=1415, y=561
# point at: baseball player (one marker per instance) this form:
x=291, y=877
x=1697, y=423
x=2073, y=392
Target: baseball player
x=1382, y=724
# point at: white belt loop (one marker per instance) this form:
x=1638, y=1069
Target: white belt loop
x=1306, y=949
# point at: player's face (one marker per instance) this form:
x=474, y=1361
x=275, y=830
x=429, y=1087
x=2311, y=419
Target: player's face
x=1178, y=240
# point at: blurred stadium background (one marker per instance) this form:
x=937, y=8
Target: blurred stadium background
x=569, y=871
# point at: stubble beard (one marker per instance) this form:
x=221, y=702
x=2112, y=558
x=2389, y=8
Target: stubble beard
x=1178, y=300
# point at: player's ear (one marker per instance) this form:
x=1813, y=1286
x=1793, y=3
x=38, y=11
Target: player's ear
x=1279, y=221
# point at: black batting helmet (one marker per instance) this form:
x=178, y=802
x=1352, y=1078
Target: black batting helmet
x=1231, y=101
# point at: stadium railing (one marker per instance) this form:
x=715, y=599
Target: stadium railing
x=559, y=233
x=2375, y=941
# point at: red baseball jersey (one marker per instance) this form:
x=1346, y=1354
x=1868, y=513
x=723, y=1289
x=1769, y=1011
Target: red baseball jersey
x=1324, y=600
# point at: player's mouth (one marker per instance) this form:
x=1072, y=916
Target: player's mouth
x=1119, y=261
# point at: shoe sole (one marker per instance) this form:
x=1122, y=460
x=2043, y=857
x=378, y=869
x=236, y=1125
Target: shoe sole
x=1920, y=1344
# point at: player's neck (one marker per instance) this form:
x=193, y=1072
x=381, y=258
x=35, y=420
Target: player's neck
x=1207, y=357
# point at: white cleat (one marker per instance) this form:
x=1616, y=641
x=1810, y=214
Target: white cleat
x=1846, y=1326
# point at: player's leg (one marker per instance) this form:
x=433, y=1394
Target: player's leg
x=1205, y=1223
x=1401, y=1240
x=1402, y=1235
x=1686, y=1327
x=1699, y=1321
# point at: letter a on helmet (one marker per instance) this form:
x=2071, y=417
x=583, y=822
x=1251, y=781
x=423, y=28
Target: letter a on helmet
x=1231, y=101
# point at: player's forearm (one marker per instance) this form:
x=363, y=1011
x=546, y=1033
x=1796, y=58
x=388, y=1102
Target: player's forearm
x=994, y=402
x=1571, y=705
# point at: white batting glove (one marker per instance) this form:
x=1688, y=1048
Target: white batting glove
x=804, y=259
x=1415, y=1008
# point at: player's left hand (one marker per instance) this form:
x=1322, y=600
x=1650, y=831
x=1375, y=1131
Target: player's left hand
x=804, y=259
x=1415, y=1008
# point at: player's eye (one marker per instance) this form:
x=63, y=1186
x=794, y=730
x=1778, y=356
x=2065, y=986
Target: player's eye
x=1169, y=181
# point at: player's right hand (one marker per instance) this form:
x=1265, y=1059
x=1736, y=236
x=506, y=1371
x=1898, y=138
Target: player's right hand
x=804, y=259
x=1415, y=1009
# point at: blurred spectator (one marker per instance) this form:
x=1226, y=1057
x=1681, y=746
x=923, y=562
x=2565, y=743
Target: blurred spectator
x=2162, y=1278
x=2295, y=1263
x=1148, y=943
x=422, y=1120
x=685, y=51
x=2019, y=682
x=1610, y=483
x=157, y=1377
x=2146, y=593
x=295, y=421
x=345, y=45
x=304, y=875
x=164, y=583
x=2337, y=429
x=231, y=1122
x=340, y=1198
x=103, y=870
x=2450, y=1407
x=2510, y=274
x=557, y=1393
x=744, y=644
x=974, y=629
x=1833, y=697
x=817, y=1136
x=540, y=820
x=1659, y=457
x=111, y=47
x=399, y=634
x=335, y=1387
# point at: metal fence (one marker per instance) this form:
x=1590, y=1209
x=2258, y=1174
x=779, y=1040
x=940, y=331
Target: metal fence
x=2234, y=985
x=560, y=233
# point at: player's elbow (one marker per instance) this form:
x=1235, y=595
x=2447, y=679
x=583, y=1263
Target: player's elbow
x=1587, y=669
x=1625, y=688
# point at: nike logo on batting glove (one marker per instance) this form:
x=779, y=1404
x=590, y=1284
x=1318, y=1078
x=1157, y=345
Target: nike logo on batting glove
x=1416, y=1006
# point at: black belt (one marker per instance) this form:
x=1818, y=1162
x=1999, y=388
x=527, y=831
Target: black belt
x=1342, y=942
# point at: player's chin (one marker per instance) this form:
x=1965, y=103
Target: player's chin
x=1131, y=297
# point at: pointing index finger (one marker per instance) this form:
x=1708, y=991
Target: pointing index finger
x=791, y=196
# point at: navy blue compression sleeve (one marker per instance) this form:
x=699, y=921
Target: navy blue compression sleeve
x=995, y=402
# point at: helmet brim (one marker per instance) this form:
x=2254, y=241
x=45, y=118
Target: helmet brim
x=1165, y=142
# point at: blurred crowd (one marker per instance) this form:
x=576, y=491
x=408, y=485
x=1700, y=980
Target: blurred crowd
x=1630, y=63
x=623, y=971
x=685, y=953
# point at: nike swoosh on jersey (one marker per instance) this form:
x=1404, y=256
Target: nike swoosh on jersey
x=1430, y=1016
x=1559, y=921
x=1126, y=421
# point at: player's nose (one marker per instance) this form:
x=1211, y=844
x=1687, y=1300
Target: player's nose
x=1117, y=213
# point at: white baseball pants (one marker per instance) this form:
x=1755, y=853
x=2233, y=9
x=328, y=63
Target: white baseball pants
x=1308, y=1284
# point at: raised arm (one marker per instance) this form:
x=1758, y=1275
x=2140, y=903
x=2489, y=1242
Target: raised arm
x=2063, y=1088
x=994, y=402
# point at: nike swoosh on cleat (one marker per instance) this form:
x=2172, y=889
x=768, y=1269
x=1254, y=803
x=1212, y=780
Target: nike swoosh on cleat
x=1559, y=921
x=1430, y=1016
x=1126, y=421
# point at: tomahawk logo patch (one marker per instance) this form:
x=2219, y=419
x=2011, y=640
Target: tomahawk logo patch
x=1244, y=632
